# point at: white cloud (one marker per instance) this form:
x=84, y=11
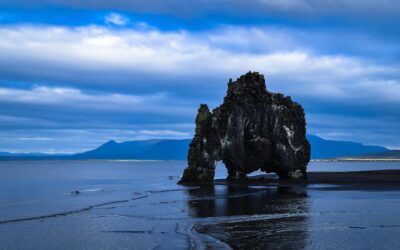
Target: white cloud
x=97, y=49
x=116, y=19
x=74, y=98
x=291, y=65
x=163, y=133
x=99, y=54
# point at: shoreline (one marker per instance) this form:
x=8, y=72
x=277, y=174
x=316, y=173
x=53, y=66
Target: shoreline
x=357, y=160
x=58, y=158
x=368, y=179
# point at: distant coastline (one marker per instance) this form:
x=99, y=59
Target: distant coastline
x=182, y=160
x=358, y=160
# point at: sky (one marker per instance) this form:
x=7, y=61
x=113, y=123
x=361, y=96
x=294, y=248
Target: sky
x=75, y=74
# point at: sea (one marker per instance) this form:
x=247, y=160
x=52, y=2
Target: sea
x=139, y=205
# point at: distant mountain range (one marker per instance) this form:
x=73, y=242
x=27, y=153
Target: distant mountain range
x=141, y=150
x=321, y=148
x=166, y=149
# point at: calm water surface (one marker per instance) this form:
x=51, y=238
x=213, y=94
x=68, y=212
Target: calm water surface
x=137, y=205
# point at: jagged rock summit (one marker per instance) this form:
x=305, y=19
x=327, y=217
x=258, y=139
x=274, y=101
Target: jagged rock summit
x=253, y=129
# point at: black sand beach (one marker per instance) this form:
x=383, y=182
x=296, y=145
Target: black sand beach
x=375, y=177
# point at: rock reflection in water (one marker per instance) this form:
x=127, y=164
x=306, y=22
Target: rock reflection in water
x=281, y=215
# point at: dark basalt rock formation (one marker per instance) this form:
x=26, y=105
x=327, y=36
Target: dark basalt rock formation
x=253, y=129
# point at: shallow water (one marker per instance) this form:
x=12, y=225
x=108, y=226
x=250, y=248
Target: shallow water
x=137, y=205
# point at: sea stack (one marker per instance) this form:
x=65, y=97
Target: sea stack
x=253, y=129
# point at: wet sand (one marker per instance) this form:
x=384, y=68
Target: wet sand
x=291, y=230
x=371, y=179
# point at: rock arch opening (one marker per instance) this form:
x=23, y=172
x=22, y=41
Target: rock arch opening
x=220, y=171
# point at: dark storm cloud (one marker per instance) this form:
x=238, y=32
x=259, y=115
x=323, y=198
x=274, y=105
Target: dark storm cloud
x=233, y=7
